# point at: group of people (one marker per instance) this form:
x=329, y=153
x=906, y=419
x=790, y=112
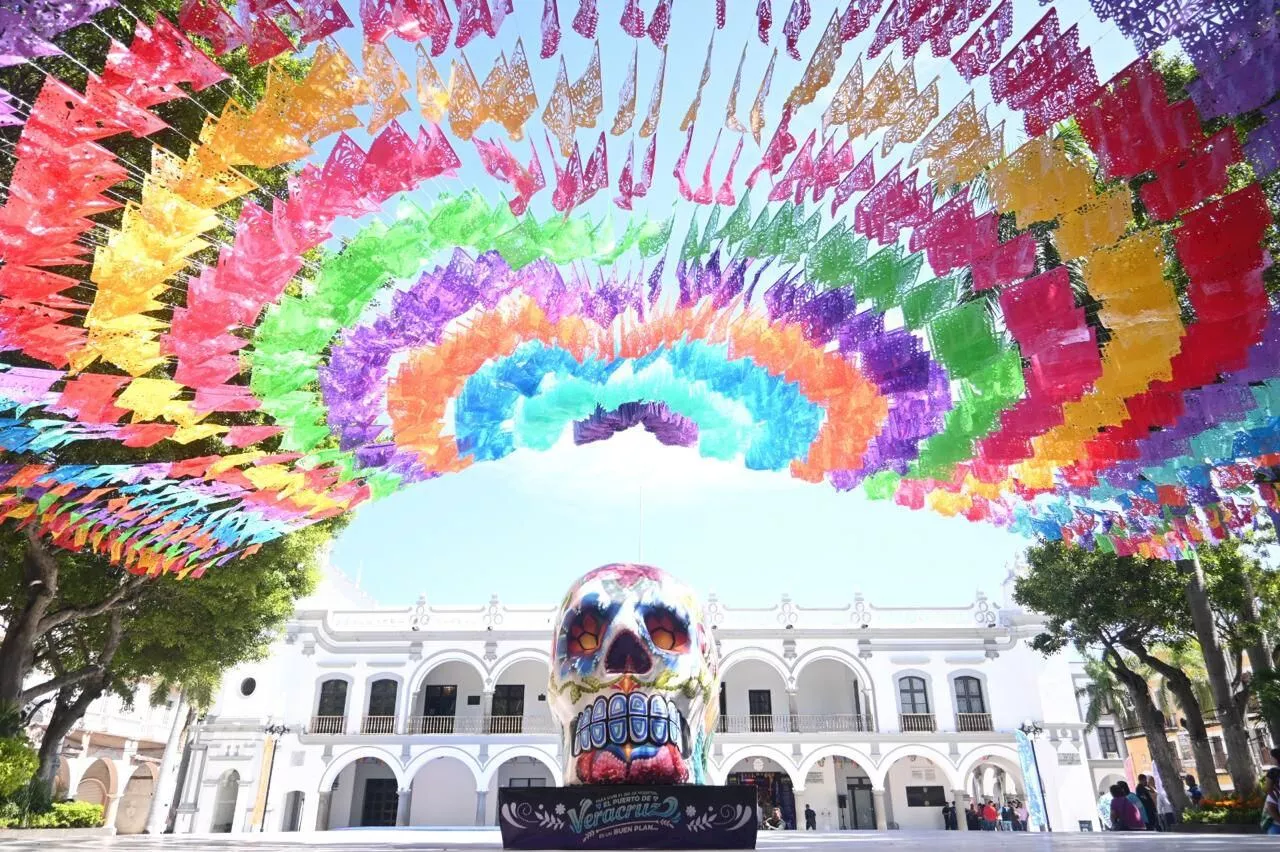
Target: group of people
x=1135, y=810
x=1011, y=816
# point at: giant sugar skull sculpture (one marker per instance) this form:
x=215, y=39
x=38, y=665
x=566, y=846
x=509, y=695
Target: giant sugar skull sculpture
x=633, y=677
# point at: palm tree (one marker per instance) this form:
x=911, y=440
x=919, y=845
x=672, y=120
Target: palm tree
x=1105, y=696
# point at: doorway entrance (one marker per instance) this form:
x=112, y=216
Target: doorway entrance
x=380, y=802
x=857, y=808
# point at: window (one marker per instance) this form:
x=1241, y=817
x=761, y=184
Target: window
x=760, y=706
x=247, y=686
x=508, y=709
x=527, y=782
x=439, y=699
x=913, y=695
x=1107, y=741
x=333, y=698
x=382, y=697
x=969, y=695
x=508, y=699
x=926, y=797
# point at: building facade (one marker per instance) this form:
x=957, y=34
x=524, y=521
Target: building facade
x=416, y=716
x=114, y=756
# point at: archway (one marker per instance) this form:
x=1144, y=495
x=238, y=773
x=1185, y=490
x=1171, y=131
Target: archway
x=224, y=803
x=365, y=793
x=136, y=801
x=753, y=697
x=444, y=791
x=770, y=773
x=520, y=698
x=830, y=698
x=519, y=767
x=97, y=784
x=448, y=699
x=838, y=785
x=918, y=781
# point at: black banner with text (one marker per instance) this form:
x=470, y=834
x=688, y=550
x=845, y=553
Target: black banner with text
x=627, y=817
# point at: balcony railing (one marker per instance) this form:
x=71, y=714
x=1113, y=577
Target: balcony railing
x=917, y=723
x=328, y=725
x=966, y=722
x=479, y=725
x=798, y=724
x=378, y=725
x=432, y=725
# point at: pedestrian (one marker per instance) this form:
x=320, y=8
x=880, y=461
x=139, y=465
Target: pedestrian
x=1006, y=817
x=1137, y=802
x=971, y=817
x=1271, y=804
x=1126, y=815
x=946, y=816
x=1148, y=799
x=1023, y=815
x=989, y=816
x=810, y=818
x=1193, y=791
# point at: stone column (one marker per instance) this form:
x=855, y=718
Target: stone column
x=962, y=807
x=403, y=803
x=793, y=709
x=322, y=812
x=482, y=797
x=882, y=819
x=111, y=812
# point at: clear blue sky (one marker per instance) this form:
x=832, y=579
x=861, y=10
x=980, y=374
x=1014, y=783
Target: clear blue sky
x=526, y=526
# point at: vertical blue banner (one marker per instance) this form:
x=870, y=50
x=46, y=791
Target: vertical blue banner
x=1031, y=779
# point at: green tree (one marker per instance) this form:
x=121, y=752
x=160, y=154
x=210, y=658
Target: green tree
x=176, y=633
x=1119, y=606
x=1104, y=695
x=34, y=604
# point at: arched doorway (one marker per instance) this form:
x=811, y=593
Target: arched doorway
x=523, y=770
x=224, y=803
x=135, y=803
x=838, y=786
x=365, y=794
x=520, y=699
x=753, y=698
x=772, y=782
x=917, y=785
x=449, y=700
x=97, y=784
x=444, y=793
x=830, y=698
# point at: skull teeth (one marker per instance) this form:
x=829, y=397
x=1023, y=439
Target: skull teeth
x=627, y=719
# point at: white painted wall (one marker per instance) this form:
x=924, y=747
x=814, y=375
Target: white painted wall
x=444, y=793
x=826, y=687
x=920, y=773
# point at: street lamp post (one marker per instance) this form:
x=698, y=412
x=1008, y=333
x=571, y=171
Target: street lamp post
x=1032, y=730
x=275, y=732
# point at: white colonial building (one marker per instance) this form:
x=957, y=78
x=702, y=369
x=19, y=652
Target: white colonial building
x=416, y=716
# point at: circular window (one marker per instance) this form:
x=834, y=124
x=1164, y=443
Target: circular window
x=247, y=686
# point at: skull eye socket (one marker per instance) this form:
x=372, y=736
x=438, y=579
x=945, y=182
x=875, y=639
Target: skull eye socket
x=666, y=630
x=586, y=630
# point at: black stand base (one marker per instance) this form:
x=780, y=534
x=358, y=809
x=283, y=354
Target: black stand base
x=627, y=817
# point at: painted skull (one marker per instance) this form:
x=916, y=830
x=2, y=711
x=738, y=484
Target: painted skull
x=633, y=679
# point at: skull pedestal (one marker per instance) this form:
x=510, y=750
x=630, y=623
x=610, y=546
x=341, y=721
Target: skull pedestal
x=634, y=676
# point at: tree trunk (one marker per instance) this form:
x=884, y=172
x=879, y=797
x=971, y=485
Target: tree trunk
x=1184, y=693
x=1260, y=660
x=68, y=711
x=17, y=651
x=171, y=819
x=1152, y=722
x=1239, y=753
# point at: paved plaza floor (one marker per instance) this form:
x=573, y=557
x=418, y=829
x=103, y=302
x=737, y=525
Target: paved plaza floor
x=428, y=839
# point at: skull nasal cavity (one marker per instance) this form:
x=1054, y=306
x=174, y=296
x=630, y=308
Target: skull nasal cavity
x=626, y=654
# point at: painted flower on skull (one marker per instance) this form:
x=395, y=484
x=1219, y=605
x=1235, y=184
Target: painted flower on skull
x=633, y=679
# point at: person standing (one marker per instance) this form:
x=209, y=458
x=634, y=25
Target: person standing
x=1148, y=799
x=810, y=818
x=1271, y=804
x=1193, y=791
x=1126, y=815
x=989, y=816
x=1023, y=816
